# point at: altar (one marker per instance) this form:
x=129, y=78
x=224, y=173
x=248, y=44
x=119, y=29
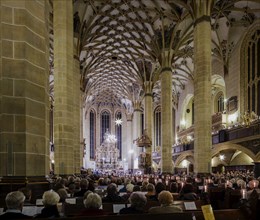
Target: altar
x=107, y=153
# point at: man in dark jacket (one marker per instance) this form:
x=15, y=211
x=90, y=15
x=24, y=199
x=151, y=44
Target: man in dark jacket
x=14, y=203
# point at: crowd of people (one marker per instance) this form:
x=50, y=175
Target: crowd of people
x=137, y=190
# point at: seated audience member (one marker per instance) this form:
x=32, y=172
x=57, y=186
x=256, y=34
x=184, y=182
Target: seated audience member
x=129, y=190
x=50, y=201
x=83, y=188
x=150, y=195
x=166, y=200
x=14, y=203
x=28, y=194
x=144, y=185
x=174, y=187
x=127, y=181
x=253, y=185
x=92, y=205
x=159, y=187
x=137, y=201
x=63, y=194
x=137, y=188
x=86, y=194
x=112, y=194
x=187, y=193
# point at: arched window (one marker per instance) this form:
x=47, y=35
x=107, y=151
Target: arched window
x=252, y=73
x=219, y=102
x=92, y=134
x=118, y=129
x=105, y=124
x=158, y=126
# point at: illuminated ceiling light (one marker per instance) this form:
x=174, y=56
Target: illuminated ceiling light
x=118, y=121
x=222, y=157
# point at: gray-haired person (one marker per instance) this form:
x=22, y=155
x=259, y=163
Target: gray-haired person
x=14, y=203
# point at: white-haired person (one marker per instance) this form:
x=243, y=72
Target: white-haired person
x=166, y=204
x=253, y=185
x=50, y=201
x=138, y=201
x=92, y=203
x=14, y=203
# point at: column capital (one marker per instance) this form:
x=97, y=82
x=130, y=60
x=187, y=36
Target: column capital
x=166, y=69
x=202, y=19
x=148, y=94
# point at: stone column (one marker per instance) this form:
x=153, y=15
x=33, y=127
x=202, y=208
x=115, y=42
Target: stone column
x=129, y=141
x=166, y=114
x=256, y=169
x=24, y=75
x=148, y=116
x=78, y=148
x=136, y=131
x=202, y=93
x=64, y=139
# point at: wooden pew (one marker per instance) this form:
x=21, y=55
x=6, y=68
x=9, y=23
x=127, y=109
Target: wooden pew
x=230, y=214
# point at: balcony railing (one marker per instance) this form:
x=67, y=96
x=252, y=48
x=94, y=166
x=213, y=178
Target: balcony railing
x=224, y=135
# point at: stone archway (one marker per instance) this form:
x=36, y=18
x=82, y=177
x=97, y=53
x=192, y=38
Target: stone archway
x=229, y=146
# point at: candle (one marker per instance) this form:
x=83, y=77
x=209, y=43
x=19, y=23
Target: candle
x=182, y=184
x=254, y=183
x=244, y=194
x=205, y=188
x=166, y=182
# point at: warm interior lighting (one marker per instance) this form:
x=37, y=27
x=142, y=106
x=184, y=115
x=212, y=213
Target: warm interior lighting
x=222, y=157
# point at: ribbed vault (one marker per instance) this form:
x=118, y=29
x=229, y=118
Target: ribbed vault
x=121, y=43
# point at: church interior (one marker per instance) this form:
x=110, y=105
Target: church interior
x=128, y=87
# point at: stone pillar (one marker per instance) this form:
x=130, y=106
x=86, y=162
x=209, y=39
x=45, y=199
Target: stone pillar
x=129, y=141
x=257, y=169
x=64, y=139
x=136, y=131
x=148, y=117
x=78, y=148
x=202, y=94
x=166, y=114
x=24, y=75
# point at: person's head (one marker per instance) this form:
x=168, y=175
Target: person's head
x=188, y=188
x=86, y=194
x=27, y=193
x=93, y=201
x=136, y=188
x=150, y=188
x=50, y=198
x=15, y=200
x=159, y=187
x=173, y=187
x=138, y=200
x=165, y=198
x=129, y=187
x=253, y=184
x=63, y=194
x=84, y=184
x=112, y=189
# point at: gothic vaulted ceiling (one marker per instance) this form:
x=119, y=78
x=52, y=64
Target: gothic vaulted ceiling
x=121, y=43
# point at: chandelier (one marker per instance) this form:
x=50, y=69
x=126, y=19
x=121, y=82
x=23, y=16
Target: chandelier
x=110, y=138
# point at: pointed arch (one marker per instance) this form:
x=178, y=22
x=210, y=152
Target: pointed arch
x=231, y=146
